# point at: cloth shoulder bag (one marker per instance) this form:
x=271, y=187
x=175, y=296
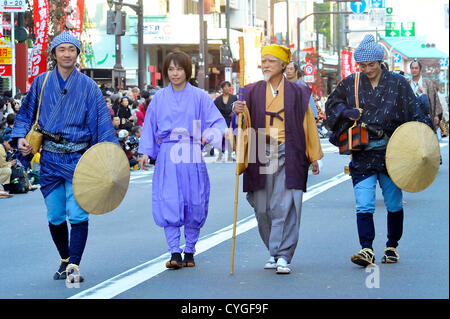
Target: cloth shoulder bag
x=34, y=136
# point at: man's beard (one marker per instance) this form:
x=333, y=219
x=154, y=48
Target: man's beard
x=267, y=76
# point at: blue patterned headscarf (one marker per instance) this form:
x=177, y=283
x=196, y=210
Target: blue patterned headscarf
x=368, y=50
x=65, y=37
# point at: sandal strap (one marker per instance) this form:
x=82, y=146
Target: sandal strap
x=394, y=250
x=367, y=253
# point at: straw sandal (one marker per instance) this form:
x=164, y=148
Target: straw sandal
x=364, y=258
x=391, y=256
x=62, y=271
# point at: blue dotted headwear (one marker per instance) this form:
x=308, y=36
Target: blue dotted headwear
x=368, y=50
x=65, y=37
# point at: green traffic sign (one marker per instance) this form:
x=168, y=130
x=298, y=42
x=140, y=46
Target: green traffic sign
x=400, y=29
x=408, y=29
x=392, y=29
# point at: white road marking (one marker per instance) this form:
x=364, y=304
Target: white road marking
x=137, y=275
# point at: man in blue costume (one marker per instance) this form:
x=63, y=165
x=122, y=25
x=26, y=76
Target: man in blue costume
x=386, y=102
x=75, y=117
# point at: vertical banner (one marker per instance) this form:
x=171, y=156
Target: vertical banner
x=74, y=17
x=348, y=64
x=39, y=52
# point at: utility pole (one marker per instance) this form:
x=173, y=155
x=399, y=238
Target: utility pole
x=300, y=20
x=119, y=71
x=287, y=24
x=202, y=52
x=227, y=21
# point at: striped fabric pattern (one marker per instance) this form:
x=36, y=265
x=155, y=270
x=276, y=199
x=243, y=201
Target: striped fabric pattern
x=80, y=115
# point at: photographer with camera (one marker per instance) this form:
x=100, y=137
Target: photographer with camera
x=129, y=145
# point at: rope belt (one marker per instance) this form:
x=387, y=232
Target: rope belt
x=275, y=115
x=63, y=148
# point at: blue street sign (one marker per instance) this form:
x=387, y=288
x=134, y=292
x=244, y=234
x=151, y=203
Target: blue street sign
x=377, y=4
x=358, y=6
x=397, y=57
x=443, y=62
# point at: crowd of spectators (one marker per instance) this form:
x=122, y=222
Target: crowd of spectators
x=12, y=172
x=127, y=109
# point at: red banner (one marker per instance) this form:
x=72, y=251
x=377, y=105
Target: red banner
x=39, y=52
x=74, y=17
x=348, y=64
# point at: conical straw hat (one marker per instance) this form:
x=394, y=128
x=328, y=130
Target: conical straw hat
x=412, y=156
x=101, y=178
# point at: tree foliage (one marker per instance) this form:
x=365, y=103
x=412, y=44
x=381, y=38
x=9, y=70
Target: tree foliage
x=323, y=20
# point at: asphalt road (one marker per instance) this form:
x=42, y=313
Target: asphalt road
x=126, y=252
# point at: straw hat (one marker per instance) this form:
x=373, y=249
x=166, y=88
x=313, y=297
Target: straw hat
x=101, y=178
x=412, y=156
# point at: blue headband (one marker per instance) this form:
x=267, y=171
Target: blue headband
x=65, y=37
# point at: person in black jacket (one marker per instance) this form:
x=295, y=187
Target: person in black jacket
x=224, y=103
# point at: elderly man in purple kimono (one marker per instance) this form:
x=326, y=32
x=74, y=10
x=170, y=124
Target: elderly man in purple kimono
x=74, y=117
x=177, y=118
x=286, y=132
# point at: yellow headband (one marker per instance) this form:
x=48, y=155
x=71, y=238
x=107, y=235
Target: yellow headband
x=278, y=51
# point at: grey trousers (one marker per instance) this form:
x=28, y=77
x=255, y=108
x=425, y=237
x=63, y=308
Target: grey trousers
x=278, y=209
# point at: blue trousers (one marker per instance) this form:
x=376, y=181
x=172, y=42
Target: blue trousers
x=61, y=205
x=365, y=192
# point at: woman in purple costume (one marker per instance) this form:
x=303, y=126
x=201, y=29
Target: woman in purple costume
x=177, y=118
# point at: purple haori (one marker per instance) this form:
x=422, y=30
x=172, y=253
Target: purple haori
x=171, y=134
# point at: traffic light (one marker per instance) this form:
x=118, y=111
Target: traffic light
x=121, y=23
x=225, y=55
x=428, y=45
x=111, y=22
x=116, y=22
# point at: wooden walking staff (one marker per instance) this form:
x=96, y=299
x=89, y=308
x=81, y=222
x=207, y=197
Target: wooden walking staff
x=239, y=142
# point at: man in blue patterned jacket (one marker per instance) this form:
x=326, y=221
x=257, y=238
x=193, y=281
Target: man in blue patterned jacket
x=386, y=101
x=75, y=115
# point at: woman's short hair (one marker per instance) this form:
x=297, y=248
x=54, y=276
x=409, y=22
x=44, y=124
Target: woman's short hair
x=180, y=59
x=224, y=83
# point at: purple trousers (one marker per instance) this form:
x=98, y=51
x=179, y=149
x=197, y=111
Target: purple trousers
x=173, y=235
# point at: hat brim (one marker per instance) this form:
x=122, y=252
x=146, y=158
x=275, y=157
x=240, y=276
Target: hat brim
x=413, y=156
x=101, y=178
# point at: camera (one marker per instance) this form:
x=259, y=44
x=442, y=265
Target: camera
x=131, y=143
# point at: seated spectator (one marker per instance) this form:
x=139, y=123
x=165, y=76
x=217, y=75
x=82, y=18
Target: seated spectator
x=142, y=109
x=5, y=167
x=128, y=147
x=116, y=123
x=136, y=131
x=109, y=105
x=124, y=113
x=9, y=124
